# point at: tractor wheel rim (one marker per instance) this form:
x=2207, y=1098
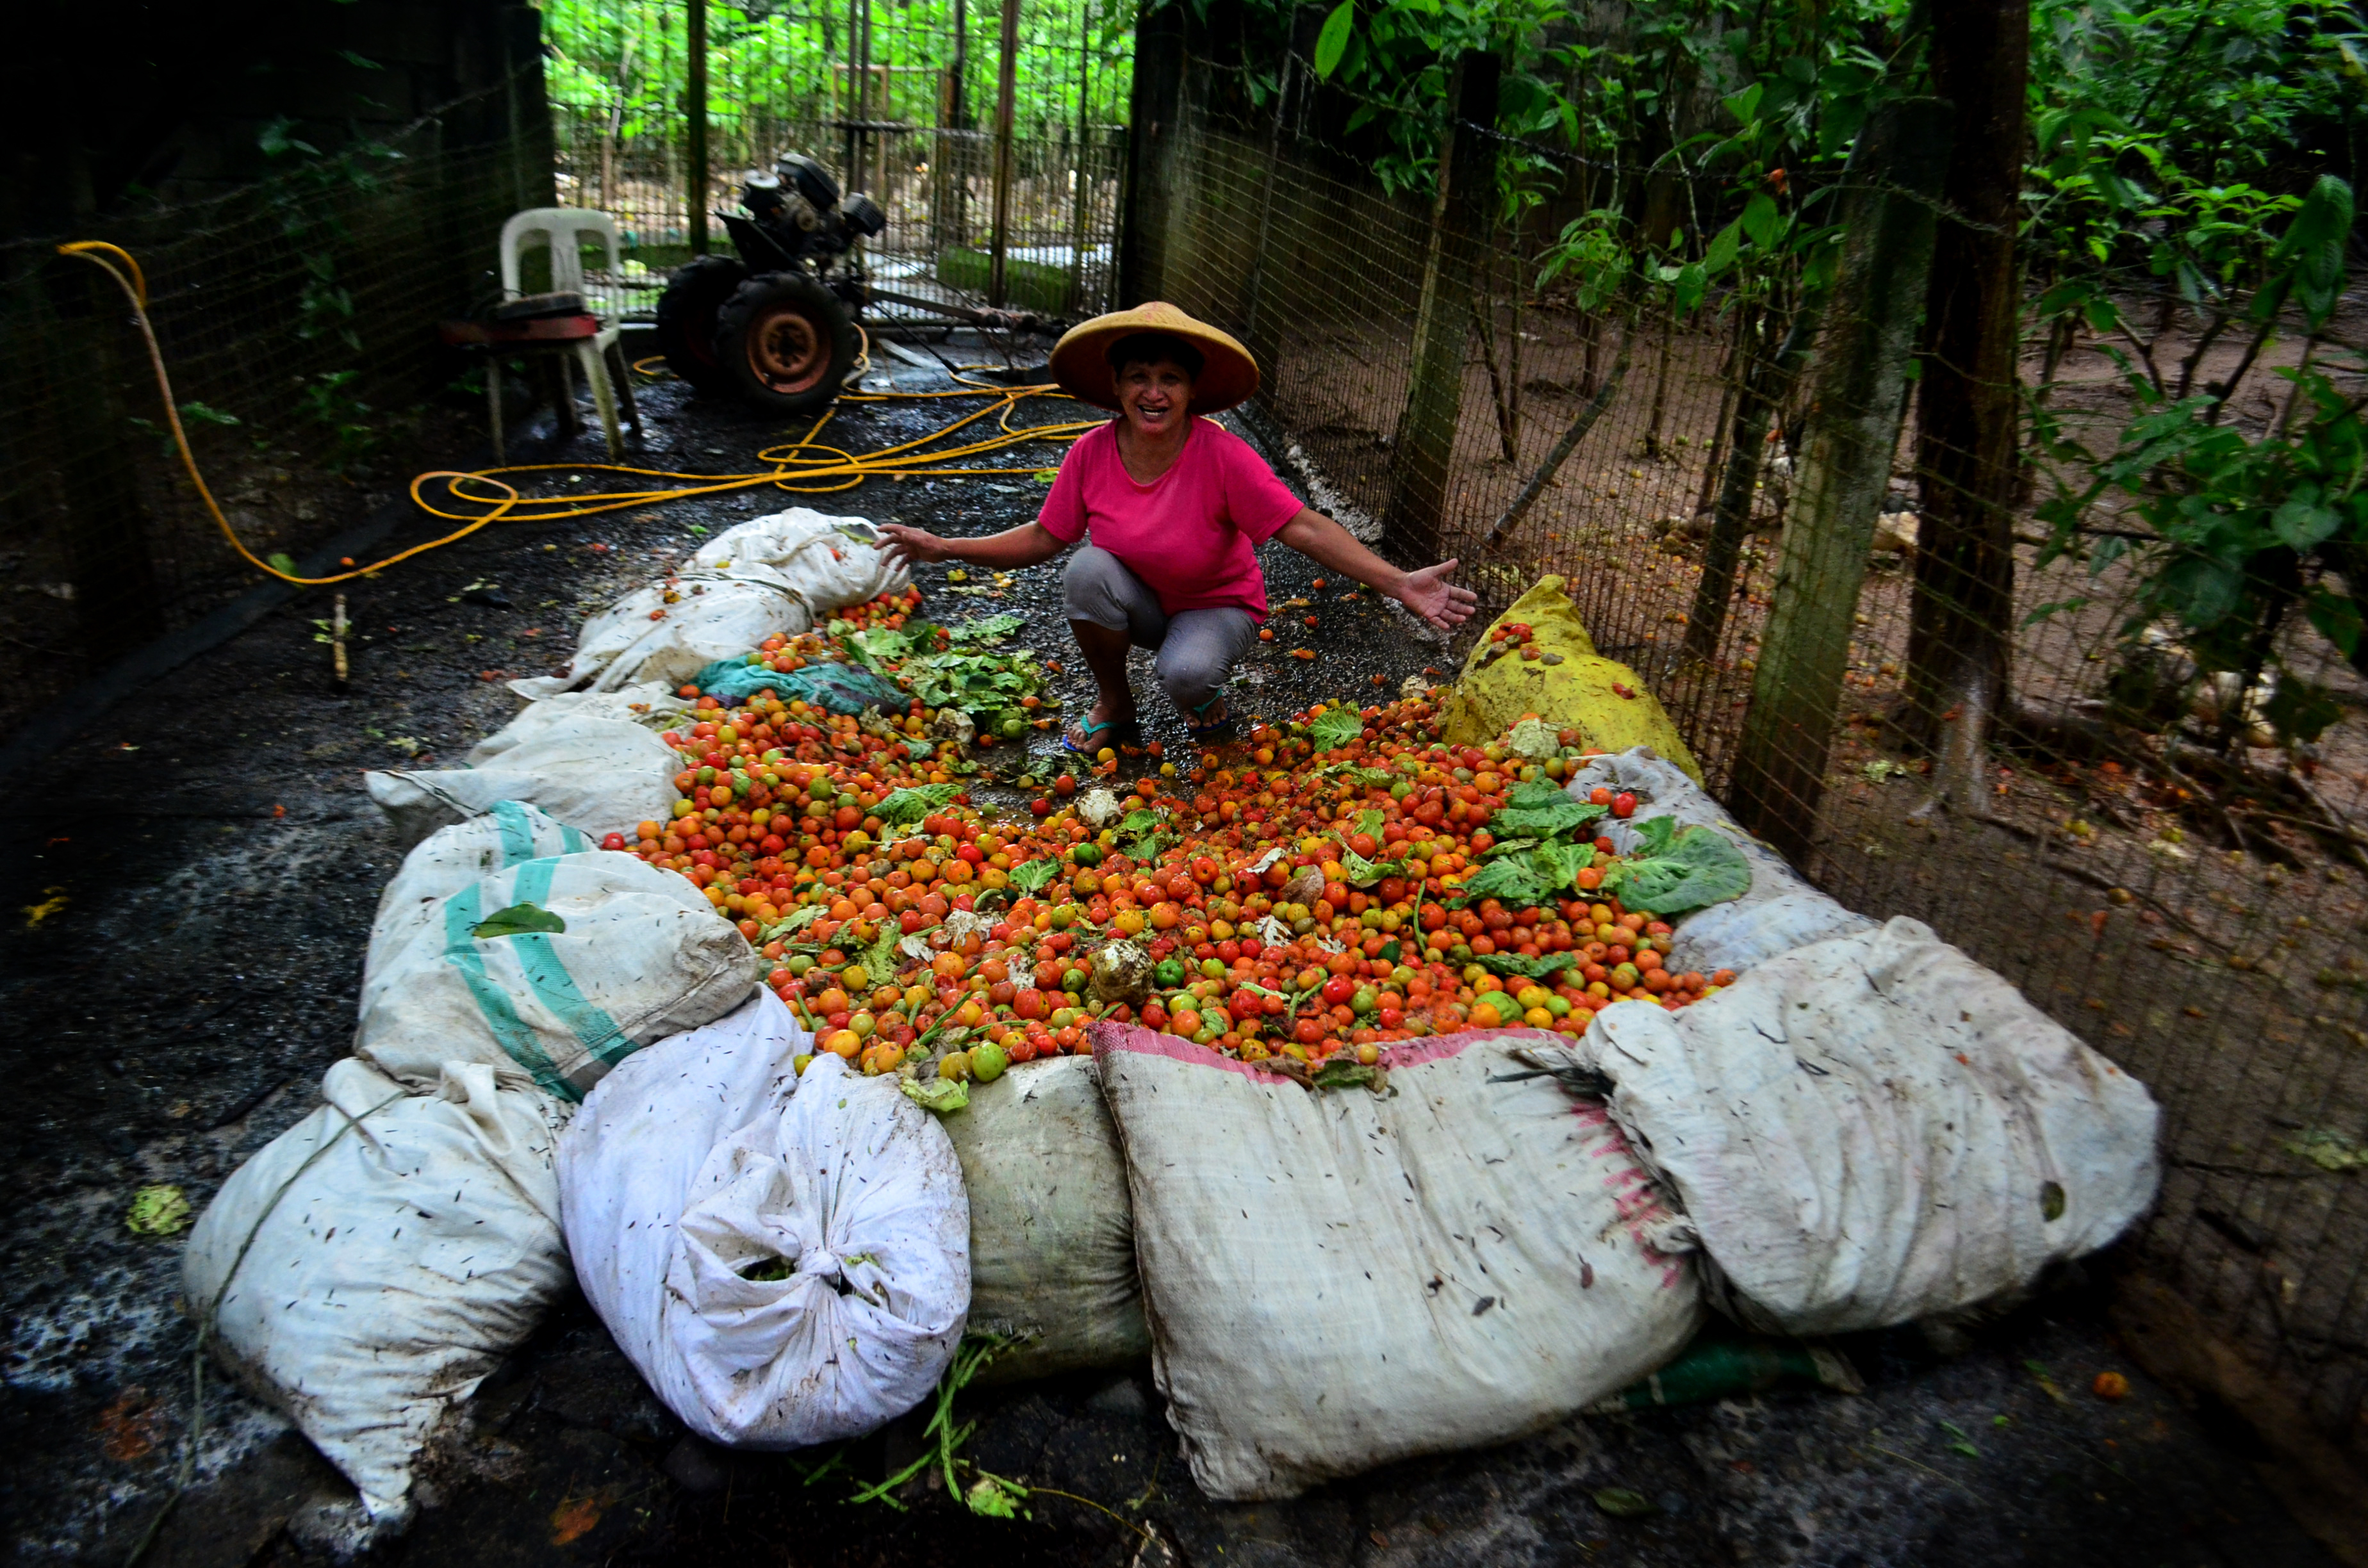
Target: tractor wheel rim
x=787, y=351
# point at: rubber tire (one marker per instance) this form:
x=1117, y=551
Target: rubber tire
x=763, y=297
x=687, y=312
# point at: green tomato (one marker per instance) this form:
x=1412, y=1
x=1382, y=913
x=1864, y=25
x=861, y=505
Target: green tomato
x=800, y=963
x=987, y=1061
x=1212, y=969
x=1365, y=1000
x=1074, y=980
x=1401, y=790
x=1168, y=974
x=1063, y=1017
x=1087, y=854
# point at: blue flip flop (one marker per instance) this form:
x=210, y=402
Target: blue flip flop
x=1210, y=731
x=1110, y=732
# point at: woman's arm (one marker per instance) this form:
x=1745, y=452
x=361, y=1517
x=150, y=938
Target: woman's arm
x=1427, y=593
x=1023, y=546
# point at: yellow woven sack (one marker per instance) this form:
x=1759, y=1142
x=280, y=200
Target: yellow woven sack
x=1570, y=686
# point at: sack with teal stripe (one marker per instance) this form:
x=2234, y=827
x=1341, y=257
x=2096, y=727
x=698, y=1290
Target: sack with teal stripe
x=450, y=858
x=560, y=967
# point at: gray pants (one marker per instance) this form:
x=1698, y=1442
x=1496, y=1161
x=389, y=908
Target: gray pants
x=1198, y=648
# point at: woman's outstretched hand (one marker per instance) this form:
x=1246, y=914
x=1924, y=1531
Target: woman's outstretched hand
x=1443, y=604
x=907, y=545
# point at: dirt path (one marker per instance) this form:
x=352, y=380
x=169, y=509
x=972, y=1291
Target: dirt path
x=207, y=865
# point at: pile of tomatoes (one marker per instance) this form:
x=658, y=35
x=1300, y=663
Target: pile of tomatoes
x=1234, y=877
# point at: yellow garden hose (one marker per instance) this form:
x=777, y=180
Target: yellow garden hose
x=802, y=467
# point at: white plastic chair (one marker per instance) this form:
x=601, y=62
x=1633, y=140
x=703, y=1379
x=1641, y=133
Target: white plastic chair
x=562, y=230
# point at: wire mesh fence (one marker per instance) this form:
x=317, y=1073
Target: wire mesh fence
x=2162, y=843
x=899, y=103
x=298, y=316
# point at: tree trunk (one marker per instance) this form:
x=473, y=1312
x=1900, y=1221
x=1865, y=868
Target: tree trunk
x=1852, y=428
x=1767, y=384
x=1963, y=614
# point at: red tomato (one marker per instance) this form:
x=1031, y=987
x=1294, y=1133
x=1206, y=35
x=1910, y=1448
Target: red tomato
x=1029, y=1004
x=1624, y=804
x=1338, y=990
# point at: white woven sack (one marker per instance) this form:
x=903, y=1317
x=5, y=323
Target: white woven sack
x=829, y=563
x=772, y=576
x=1874, y=1127
x=651, y=705
x=1340, y=1279
x=707, y=1157
x=450, y=858
x=367, y=1291
x=643, y=638
x=1052, y=1237
x=601, y=776
x=643, y=955
x=1780, y=910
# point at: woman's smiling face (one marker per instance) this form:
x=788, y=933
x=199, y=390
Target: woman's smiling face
x=1153, y=397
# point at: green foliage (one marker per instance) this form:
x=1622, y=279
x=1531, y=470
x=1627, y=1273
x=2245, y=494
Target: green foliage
x=620, y=63
x=2245, y=530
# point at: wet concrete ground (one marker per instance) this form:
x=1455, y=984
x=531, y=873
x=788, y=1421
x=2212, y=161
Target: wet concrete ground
x=188, y=889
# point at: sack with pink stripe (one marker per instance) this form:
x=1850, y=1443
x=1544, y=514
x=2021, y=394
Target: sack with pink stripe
x=1340, y=1277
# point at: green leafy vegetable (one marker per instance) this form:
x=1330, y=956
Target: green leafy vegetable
x=1139, y=822
x=879, y=960
x=1513, y=880
x=994, y=628
x=1336, y=727
x=1537, y=792
x=1528, y=967
x=515, y=920
x=943, y=1095
x=1691, y=869
x=995, y=1497
x=1033, y=875
x=158, y=1212
x=911, y=805
x=1557, y=816
x=1560, y=864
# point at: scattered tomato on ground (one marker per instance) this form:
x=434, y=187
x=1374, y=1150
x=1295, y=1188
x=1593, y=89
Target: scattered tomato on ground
x=1300, y=893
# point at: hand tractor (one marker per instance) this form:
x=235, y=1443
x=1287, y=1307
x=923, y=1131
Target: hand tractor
x=775, y=324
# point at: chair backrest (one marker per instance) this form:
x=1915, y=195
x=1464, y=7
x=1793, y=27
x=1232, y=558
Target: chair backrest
x=560, y=228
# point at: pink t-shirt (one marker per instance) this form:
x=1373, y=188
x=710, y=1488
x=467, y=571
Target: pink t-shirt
x=1191, y=534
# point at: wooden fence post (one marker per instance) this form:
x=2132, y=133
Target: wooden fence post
x=1856, y=398
x=1425, y=446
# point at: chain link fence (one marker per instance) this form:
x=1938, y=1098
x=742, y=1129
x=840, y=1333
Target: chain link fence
x=298, y=317
x=2163, y=852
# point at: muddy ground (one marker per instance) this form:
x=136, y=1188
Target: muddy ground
x=188, y=885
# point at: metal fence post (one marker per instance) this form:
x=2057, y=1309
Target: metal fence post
x=695, y=105
x=1859, y=394
x=1426, y=434
x=1006, y=86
